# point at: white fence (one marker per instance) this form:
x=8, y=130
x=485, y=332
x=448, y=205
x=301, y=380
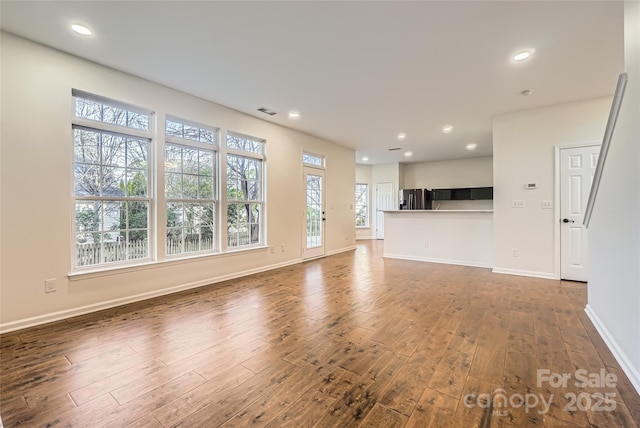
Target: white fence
x=175, y=246
x=88, y=254
x=114, y=251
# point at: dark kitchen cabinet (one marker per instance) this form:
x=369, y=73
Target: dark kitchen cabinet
x=481, y=193
x=463, y=194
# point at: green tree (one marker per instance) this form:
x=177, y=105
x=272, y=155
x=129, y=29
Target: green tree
x=88, y=219
x=136, y=211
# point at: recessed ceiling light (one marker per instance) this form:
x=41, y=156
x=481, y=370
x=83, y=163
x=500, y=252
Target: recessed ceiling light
x=447, y=129
x=294, y=114
x=521, y=56
x=471, y=146
x=526, y=92
x=364, y=158
x=81, y=29
x=408, y=154
x=402, y=136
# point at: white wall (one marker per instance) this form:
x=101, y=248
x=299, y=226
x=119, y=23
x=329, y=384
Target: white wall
x=460, y=238
x=36, y=179
x=523, y=152
x=473, y=172
x=614, y=232
x=364, y=176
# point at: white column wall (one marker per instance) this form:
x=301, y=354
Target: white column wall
x=614, y=232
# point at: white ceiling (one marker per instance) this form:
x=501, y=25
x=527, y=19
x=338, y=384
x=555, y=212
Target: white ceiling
x=359, y=72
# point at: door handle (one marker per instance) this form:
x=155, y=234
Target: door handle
x=566, y=220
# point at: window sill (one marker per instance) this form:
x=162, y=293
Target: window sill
x=119, y=270
x=363, y=227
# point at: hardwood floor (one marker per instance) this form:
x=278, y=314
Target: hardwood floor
x=349, y=340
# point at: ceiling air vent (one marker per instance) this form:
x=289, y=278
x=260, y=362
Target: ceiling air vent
x=395, y=148
x=267, y=111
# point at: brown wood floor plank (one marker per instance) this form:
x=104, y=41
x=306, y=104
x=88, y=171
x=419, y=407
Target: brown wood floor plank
x=451, y=373
x=240, y=397
x=200, y=397
x=305, y=411
x=488, y=361
x=521, y=321
x=434, y=409
x=407, y=388
x=357, y=402
x=381, y=416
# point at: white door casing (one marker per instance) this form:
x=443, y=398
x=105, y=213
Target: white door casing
x=577, y=167
x=384, y=202
x=314, y=214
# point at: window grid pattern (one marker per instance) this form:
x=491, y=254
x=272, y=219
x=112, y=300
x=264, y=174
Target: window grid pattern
x=111, y=114
x=313, y=160
x=190, y=185
x=111, y=184
x=174, y=128
x=245, y=181
x=362, y=205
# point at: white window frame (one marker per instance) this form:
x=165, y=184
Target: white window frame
x=367, y=207
x=213, y=148
x=305, y=162
x=262, y=202
x=101, y=127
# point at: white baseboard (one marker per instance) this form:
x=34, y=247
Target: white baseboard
x=518, y=272
x=82, y=310
x=340, y=250
x=626, y=365
x=434, y=260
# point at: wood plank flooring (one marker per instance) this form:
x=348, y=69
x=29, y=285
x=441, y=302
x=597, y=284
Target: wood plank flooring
x=349, y=340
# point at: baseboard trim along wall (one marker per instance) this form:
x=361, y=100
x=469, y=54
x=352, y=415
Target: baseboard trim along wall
x=82, y=310
x=340, y=250
x=534, y=274
x=626, y=365
x=434, y=260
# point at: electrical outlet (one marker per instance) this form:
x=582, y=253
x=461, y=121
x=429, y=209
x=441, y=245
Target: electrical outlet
x=426, y=244
x=50, y=285
x=282, y=247
x=514, y=252
x=546, y=205
x=517, y=203
x=273, y=250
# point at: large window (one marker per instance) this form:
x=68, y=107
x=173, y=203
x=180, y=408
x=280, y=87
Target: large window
x=111, y=181
x=362, y=205
x=190, y=187
x=118, y=192
x=245, y=191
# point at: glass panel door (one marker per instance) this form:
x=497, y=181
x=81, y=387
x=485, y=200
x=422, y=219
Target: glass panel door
x=314, y=213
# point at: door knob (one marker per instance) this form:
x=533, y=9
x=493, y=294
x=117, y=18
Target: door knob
x=566, y=220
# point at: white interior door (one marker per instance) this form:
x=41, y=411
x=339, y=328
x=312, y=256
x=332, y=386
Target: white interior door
x=384, y=201
x=314, y=213
x=577, y=166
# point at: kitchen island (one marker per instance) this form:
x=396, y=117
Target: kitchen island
x=459, y=237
